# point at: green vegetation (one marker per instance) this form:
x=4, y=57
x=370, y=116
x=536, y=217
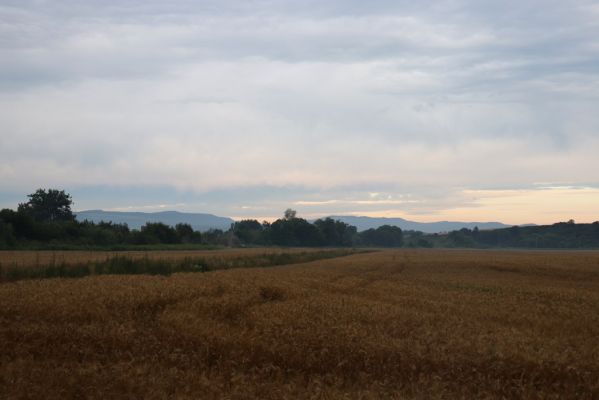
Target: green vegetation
x=51, y=205
x=562, y=235
x=123, y=265
x=46, y=222
x=293, y=231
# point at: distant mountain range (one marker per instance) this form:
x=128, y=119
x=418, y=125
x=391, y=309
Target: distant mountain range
x=204, y=222
x=363, y=223
x=199, y=222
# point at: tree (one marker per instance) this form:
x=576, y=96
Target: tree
x=157, y=232
x=248, y=231
x=7, y=237
x=290, y=214
x=51, y=205
x=335, y=233
x=187, y=234
x=384, y=236
x=294, y=232
x=184, y=229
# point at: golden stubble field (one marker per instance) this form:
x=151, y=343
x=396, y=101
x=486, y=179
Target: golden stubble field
x=413, y=324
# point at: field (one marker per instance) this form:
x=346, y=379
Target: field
x=20, y=265
x=36, y=258
x=413, y=324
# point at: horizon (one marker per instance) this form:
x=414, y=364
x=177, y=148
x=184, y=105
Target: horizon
x=272, y=219
x=432, y=111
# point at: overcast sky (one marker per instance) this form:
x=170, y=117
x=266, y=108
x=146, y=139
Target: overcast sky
x=428, y=110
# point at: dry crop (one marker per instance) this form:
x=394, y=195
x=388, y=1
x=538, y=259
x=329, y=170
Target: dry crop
x=411, y=324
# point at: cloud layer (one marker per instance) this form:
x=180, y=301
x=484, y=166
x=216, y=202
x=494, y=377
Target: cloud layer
x=428, y=101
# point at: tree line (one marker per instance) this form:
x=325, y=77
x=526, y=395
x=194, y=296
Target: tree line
x=561, y=235
x=47, y=219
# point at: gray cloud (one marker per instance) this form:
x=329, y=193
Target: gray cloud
x=407, y=98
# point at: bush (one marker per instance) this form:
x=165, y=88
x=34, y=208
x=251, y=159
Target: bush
x=7, y=236
x=383, y=236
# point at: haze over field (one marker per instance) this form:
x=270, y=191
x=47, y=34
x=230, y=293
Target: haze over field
x=445, y=110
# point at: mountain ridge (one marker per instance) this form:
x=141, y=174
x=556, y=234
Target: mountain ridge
x=364, y=223
x=206, y=221
x=135, y=219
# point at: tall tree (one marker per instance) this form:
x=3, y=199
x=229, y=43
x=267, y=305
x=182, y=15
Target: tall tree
x=50, y=205
x=290, y=214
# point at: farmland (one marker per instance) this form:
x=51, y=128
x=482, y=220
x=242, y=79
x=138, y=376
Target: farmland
x=19, y=265
x=414, y=324
x=34, y=258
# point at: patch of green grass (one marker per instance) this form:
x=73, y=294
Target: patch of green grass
x=121, y=265
x=54, y=270
x=57, y=246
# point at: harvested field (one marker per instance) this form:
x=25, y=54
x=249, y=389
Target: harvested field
x=414, y=324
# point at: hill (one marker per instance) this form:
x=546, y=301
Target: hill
x=198, y=221
x=363, y=223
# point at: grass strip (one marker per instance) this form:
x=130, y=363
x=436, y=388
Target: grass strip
x=122, y=265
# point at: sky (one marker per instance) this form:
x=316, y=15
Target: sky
x=430, y=110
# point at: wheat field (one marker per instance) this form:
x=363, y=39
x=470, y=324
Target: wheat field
x=394, y=324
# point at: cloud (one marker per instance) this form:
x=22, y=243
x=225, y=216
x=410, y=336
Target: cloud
x=427, y=99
